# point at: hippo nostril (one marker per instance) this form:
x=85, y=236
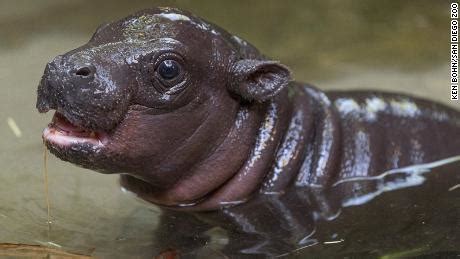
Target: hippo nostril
x=83, y=71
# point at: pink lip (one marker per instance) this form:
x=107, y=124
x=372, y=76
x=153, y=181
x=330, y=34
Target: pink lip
x=63, y=133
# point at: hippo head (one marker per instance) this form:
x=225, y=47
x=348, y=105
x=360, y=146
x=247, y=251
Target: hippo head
x=150, y=95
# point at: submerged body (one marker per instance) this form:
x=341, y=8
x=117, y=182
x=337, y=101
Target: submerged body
x=308, y=138
x=196, y=119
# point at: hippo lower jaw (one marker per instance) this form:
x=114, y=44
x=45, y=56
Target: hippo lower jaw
x=61, y=132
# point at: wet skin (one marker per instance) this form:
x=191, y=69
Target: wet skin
x=196, y=119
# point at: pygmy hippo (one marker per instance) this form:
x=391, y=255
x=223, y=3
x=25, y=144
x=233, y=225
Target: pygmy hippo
x=196, y=119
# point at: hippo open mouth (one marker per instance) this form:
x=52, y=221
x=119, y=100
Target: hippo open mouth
x=63, y=133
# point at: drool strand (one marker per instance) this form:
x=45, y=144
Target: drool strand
x=45, y=182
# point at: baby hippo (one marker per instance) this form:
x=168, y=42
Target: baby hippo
x=194, y=118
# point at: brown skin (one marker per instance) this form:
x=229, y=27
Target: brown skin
x=188, y=140
x=197, y=119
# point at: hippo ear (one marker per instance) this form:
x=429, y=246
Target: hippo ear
x=258, y=80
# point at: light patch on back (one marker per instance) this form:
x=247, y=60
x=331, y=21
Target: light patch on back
x=346, y=106
x=404, y=108
x=372, y=106
x=369, y=110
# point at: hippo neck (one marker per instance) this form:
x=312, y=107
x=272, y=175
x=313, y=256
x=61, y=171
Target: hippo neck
x=297, y=143
x=270, y=147
x=246, y=179
x=217, y=165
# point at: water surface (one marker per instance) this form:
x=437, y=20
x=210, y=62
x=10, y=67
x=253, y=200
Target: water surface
x=393, y=46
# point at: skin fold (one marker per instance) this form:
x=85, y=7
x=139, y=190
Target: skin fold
x=225, y=125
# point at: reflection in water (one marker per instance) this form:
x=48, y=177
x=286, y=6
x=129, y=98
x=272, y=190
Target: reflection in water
x=320, y=222
x=35, y=251
x=365, y=189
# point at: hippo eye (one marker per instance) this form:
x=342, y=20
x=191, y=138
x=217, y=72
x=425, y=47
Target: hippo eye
x=168, y=69
x=169, y=73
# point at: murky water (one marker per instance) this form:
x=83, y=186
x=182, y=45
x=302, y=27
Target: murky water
x=394, y=46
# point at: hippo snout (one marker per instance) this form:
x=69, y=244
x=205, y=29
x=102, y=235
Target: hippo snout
x=59, y=78
x=84, y=90
x=45, y=99
x=85, y=71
